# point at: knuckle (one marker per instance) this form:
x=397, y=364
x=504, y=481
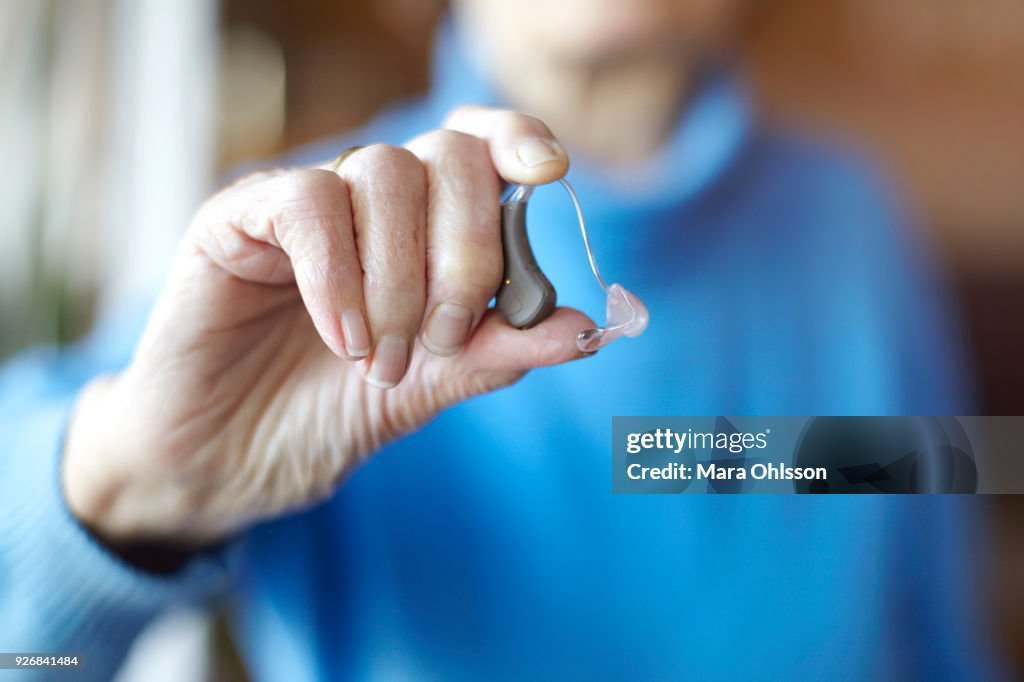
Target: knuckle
x=388, y=159
x=454, y=142
x=385, y=174
x=456, y=156
x=312, y=183
x=309, y=204
x=306, y=195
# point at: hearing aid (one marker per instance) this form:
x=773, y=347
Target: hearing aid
x=527, y=297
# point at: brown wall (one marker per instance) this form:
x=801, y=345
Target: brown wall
x=935, y=90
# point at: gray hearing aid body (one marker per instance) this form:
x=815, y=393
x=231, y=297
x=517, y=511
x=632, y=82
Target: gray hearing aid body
x=526, y=295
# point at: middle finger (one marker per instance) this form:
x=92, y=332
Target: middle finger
x=388, y=189
x=464, y=259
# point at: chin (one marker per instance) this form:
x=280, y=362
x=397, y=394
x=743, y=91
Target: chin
x=609, y=41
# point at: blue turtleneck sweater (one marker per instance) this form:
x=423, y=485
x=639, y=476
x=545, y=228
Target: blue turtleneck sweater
x=780, y=279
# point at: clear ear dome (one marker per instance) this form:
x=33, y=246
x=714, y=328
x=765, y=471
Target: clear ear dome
x=625, y=315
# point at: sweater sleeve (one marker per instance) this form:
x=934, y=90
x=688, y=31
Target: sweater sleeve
x=61, y=591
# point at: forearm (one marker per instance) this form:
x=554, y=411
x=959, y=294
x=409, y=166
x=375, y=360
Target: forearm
x=63, y=591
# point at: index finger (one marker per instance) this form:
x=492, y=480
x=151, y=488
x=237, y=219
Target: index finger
x=522, y=148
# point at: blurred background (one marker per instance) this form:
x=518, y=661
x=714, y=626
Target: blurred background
x=118, y=116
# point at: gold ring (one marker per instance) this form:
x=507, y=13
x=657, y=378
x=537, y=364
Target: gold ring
x=340, y=159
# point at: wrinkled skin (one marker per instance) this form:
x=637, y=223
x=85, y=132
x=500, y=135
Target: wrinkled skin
x=253, y=392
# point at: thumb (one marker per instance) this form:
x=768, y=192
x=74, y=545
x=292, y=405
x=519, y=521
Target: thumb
x=496, y=346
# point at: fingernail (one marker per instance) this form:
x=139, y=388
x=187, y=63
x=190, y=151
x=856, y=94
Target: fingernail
x=447, y=328
x=357, y=338
x=535, y=151
x=389, y=360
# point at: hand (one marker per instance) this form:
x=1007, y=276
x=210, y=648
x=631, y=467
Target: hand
x=310, y=317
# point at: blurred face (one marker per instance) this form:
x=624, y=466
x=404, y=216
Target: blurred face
x=605, y=30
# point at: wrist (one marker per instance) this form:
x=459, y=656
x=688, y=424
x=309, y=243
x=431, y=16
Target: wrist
x=112, y=488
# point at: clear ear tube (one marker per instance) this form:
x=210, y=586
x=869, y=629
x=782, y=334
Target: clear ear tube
x=527, y=296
